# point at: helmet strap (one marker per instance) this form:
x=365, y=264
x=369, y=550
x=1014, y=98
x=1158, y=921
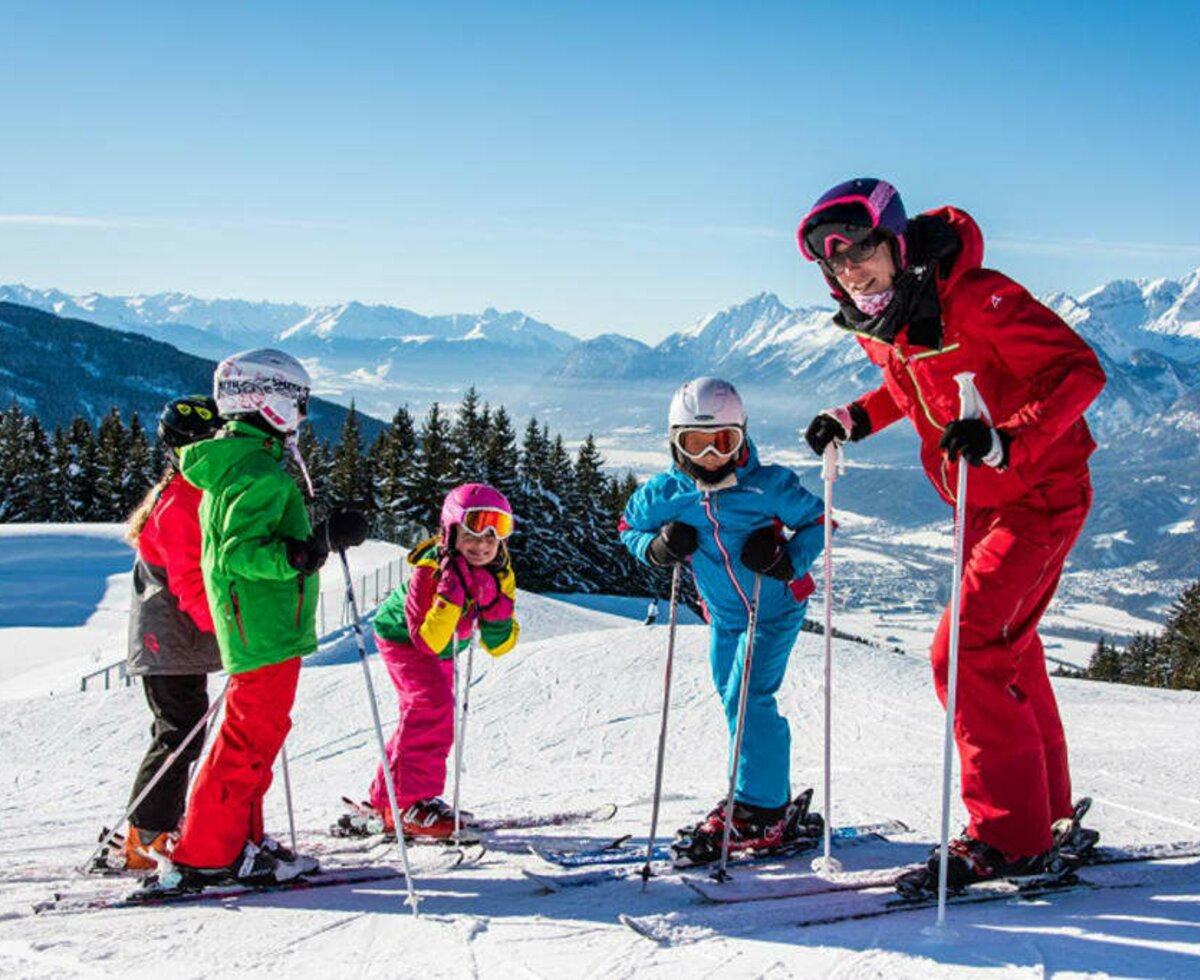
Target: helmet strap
x=293, y=445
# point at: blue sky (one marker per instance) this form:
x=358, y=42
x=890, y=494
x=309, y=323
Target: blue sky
x=614, y=166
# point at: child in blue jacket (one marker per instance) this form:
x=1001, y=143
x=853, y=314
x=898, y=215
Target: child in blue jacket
x=729, y=516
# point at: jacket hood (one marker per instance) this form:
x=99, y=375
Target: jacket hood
x=928, y=245
x=209, y=464
x=425, y=553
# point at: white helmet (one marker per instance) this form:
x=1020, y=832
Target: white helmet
x=269, y=382
x=707, y=402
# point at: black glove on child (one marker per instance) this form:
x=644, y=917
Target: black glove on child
x=305, y=556
x=976, y=441
x=831, y=426
x=674, y=543
x=764, y=554
x=340, y=530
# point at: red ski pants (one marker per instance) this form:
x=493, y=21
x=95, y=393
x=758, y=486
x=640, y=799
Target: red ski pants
x=1015, y=777
x=225, y=808
x=423, y=737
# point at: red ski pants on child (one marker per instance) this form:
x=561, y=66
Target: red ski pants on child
x=418, y=748
x=1015, y=777
x=225, y=808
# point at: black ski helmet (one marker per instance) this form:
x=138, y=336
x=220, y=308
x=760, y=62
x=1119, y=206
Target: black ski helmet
x=187, y=420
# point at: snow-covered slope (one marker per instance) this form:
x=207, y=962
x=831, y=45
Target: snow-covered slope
x=570, y=718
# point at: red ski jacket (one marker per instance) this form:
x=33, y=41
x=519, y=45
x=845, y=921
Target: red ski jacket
x=171, y=540
x=1034, y=373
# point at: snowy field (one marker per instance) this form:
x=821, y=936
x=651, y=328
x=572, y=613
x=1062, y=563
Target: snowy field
x=569, y=719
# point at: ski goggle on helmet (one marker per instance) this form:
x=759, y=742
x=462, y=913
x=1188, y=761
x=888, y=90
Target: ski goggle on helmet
x=695, y=442
x=479, y=510
x=187, y=420
x=707, y=417
x=854, y=214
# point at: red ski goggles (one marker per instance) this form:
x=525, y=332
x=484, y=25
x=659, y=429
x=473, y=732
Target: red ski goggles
x=479, y=521
x=697, y=442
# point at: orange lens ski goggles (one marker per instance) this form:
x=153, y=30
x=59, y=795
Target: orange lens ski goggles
x=694, y=443
x=484, y=520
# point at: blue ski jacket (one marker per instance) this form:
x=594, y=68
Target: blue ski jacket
x=760, y=494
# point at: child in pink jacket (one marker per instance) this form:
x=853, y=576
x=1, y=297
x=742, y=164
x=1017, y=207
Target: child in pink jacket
x=458, y=582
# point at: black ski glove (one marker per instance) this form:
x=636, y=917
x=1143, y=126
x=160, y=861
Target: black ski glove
x=977, y=442
x=764, y=554
x=306, y=557
x=837, y=425
x=340, y=530
x=674, y=543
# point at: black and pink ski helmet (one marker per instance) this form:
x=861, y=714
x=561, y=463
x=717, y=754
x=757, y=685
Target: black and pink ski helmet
x=850, y=212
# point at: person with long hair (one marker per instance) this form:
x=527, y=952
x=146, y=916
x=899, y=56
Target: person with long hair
x=172, y=644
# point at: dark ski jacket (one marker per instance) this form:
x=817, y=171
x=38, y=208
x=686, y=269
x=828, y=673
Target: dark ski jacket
x=170, y=625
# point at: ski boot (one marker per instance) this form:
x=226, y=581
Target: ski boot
x=256, y=865
x=143, y=849
x=764, y=831
x=363, y=820
x=288, y=864
x=970, y=861
x=432, y=818
x=1073, y=840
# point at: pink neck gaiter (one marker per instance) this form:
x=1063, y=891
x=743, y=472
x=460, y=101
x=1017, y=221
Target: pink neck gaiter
x=875, y=303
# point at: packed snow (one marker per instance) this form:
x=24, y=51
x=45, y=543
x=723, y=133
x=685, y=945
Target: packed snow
x=568, y=719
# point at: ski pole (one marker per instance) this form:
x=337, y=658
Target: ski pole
x=830, y=465
x=461, y=703
x=287, y=792
x=413, y=900
x=970, y=407
x=747, y=661
x=83, y=869
x=647, y=874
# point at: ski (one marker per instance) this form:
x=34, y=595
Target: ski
x=1111, y=868
x=362, y=820
x=619, y=859
x=529, y=821
x=624, y=851
x=67, y=902
x=798, y=885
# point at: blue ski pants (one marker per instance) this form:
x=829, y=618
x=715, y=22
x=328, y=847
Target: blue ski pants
x=764, y=772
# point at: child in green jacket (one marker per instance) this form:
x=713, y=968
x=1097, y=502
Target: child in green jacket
x=260, y=557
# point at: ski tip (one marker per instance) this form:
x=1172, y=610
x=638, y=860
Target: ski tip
x=641, y=928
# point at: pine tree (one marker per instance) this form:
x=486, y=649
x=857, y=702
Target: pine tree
x=393, y=454
x=24, y=468
x=1105, y=664
x=350, y=479
x=58, y=491
x=468, y=439
x=141, y=470
x=1180, y=641
x=318, y=461
x=82, y=475
x=433, y=475
x=500, y=457
x=1137, y=660
x=112, y=447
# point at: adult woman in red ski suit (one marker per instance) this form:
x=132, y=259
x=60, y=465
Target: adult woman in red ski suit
x=923, y=308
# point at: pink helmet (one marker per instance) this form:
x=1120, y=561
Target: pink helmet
x=472, y=497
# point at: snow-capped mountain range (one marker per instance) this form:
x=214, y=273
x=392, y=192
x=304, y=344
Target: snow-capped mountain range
x=789, y=362
x=760, y=339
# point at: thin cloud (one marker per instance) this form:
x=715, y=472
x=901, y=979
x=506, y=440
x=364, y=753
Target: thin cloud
x=67, y=221
x=1075, y=246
